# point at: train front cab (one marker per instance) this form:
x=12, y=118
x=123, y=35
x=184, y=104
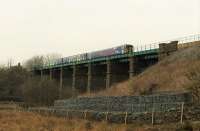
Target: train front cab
x=128, y=49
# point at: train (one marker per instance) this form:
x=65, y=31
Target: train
x=123, y=49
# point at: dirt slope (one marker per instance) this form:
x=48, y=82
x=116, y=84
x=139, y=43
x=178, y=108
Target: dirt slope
x=178, y=72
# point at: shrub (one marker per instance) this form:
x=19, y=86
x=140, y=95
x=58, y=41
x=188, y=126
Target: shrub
x=40, y=91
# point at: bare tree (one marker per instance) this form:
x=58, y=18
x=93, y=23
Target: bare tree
x=40, y=61
x=34, y=62
x=10, y=63
x=51, y=58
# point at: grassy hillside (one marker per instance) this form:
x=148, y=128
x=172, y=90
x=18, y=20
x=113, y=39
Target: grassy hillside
x=23, y=121
x=178, y=72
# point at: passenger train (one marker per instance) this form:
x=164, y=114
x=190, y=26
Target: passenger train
x=123, y=49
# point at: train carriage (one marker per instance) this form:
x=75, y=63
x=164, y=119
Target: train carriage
x=124, y=49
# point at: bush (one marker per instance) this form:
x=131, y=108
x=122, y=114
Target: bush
x=16, y=83
x=11, y=80
x=40, y=91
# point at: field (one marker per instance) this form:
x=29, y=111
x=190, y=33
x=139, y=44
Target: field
x=25, y=121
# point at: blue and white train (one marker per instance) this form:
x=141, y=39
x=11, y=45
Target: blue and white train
x=124, y=49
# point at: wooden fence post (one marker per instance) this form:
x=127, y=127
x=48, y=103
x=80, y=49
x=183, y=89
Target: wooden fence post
x=106, y=116
x=67, y=114
x=85, y=114
x=152, y=116
x=182, y=109
x=126, y=116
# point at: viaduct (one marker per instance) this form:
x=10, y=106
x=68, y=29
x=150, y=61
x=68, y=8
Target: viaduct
x=101, y=73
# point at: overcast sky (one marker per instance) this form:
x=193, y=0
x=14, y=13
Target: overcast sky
x=33, y=27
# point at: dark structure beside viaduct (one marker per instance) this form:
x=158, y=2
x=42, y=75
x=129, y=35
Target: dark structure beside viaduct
x=100, y=73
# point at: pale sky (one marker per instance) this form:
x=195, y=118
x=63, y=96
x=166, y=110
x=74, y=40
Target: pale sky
x=67, y=27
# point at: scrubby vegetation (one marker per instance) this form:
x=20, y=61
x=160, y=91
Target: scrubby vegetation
x=40, y=91
x=18, y=84
x=11, y=80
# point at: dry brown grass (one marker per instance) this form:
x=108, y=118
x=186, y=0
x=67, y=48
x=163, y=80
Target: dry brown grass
x=116, y=90
x=170, y=74
x=23, y=121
